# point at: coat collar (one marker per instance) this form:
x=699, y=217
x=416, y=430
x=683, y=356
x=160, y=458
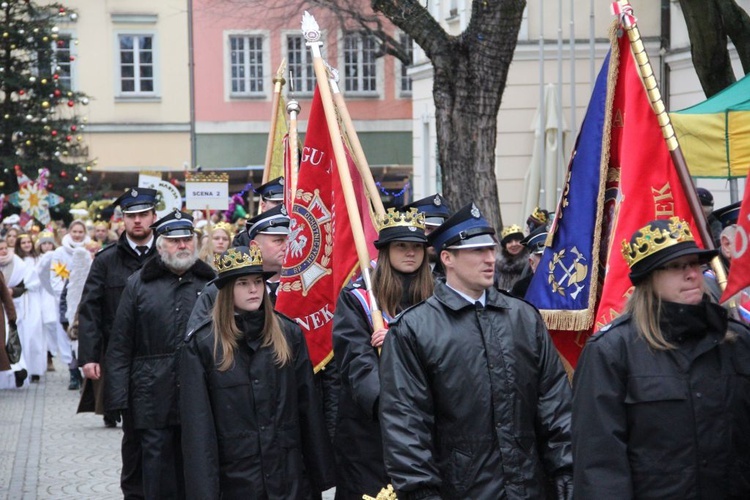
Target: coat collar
x=154, y=268
x=454, y=301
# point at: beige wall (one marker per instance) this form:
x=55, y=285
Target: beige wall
x=522, y=94
x=142, y=133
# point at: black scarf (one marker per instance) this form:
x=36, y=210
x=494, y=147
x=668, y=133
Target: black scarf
x=682, y=322
x=251, y=323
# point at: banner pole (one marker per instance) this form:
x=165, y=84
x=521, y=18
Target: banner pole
x=278, y=82
x=359, y=154
x=293, y=108
x=311, y=31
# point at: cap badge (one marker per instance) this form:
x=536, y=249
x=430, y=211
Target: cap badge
x=437, y=201
x=177, y=215
x=281, y=181
x=134, y=193
x=475, y=211
x=283, y=210
x=412, y=228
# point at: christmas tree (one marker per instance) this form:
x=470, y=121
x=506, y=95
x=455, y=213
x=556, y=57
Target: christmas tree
x=39, y=125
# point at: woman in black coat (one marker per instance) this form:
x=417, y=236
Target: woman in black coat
x=252, y=427
x=661, y=396
x=401, y=279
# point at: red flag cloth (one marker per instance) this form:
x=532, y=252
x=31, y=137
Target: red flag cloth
x=320, y=258
x=739, y=273
x=648, y=185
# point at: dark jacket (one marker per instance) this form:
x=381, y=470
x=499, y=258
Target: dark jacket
x=474, y=403
x=674, y=424
x=255, y=430
x=107, y=277
x=358, y=446
x=142, y=354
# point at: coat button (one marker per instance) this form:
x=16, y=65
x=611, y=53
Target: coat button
x=698, y=395
x=256, y=381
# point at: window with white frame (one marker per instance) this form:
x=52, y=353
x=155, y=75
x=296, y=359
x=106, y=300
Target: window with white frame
x=246, y=65
x=408, y=46
x=62, y=64
x=360, y=64
x=300, y=64
x=136, y=62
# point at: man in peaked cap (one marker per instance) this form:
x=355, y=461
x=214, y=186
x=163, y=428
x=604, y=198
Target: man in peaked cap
x=107, y=277
x=271, y=194
x=436, y=211
x=534, y=244
x=498, y=376
x=270, y=230
x=142, y=353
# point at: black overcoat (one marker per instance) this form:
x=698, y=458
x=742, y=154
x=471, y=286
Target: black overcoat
x=651, y=424
x=255, y=430
x=474, y=402
x=149, y=328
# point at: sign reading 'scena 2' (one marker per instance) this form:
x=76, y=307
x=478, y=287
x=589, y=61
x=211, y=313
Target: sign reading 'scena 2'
x=207, y=191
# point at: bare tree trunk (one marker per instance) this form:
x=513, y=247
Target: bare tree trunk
x=708, y=44
x=468, y=83
x=737, y=23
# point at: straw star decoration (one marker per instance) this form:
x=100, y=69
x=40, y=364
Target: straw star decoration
x=33, y=198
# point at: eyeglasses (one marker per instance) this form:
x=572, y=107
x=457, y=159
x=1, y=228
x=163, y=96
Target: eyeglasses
x=680, y=266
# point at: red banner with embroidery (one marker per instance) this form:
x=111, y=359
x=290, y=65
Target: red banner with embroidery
x=648, y=186
x=320, y=258
x=739, y=273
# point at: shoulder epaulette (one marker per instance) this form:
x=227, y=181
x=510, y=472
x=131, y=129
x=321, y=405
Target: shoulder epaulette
x=624, y=318
x=193, y=330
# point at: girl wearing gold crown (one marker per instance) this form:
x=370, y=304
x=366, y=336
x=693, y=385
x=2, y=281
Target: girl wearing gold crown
x=252, y=424
x=219, y=239
x=401, y=279
x=662, y=394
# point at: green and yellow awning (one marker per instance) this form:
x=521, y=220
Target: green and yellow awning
x=714, y=135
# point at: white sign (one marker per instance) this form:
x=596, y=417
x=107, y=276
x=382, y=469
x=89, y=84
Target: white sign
x=148, y=181
x=207, y=195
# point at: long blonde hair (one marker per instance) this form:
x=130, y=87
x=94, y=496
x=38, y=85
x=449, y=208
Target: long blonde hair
x=227, y=334
x=387, y=284
x=645, y=306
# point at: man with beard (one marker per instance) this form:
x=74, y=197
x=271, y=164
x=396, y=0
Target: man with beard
x=511, y=259
x=107, y=277
x=436, y=210
x=142, y=354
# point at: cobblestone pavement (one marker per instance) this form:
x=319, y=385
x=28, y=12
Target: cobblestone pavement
x=47, y=451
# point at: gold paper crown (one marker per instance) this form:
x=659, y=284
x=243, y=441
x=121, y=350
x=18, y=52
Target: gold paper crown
x=227, y=228
x=44, y=234
x=513, y=228
x=394, y=218
x=233, y=259
x=102, y=223
x=539, y=215
x=652, y=240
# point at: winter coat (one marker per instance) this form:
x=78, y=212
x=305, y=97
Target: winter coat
x=255, y=430
x=474, y=402
x=663, y=424
x=109, y=273
x=509, y=268
x=149, y=328
x=358, y=446
x=7, y=315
